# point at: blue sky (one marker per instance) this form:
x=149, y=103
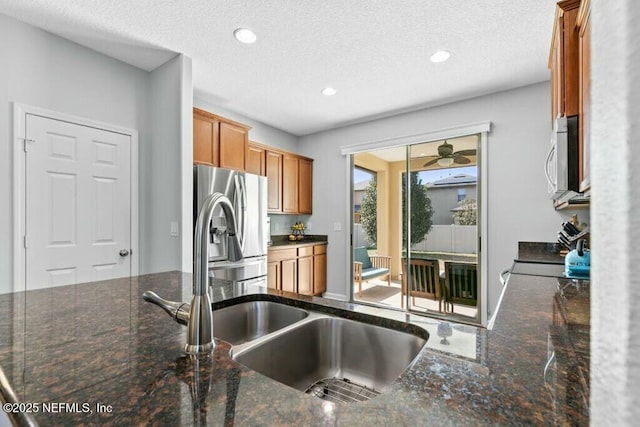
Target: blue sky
x=425, y=176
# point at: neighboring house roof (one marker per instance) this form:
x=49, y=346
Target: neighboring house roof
x=360, y=186
x=452, y=181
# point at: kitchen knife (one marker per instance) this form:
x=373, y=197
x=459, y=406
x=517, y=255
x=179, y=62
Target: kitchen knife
x=564, y=234
x=564, y=245
x=570, y=228
x=562, y=239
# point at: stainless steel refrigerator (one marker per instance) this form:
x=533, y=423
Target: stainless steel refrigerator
x=248, y=194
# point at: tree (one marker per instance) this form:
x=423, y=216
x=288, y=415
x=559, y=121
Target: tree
x=467, y=213
x=421, y=210
x=369, y=211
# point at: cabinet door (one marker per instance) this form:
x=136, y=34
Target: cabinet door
x=234, y=143
x=205, y=137
x=305, y=275
x=256, y=160
x=289, y=275
x=290, y=184
x=319, y=273
x=571, y=64
x=274, y=280
x=585, y=102
x=273, y=163
x=556, y=77
x=305, y=182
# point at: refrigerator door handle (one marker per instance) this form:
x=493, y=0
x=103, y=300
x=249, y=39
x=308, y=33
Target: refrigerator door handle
x=242, y=221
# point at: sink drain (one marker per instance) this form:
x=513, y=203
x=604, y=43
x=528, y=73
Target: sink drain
x=341, y=390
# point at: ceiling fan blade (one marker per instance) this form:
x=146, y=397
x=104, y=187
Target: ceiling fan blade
x=465, y=153
x=461, y=160
x=430, y=162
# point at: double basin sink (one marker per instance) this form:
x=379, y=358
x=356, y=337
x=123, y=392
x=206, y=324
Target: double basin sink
x=330, y=357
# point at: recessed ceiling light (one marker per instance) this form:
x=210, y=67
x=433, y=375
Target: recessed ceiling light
x=328, y=91
x=440, y=56
x=244, y=35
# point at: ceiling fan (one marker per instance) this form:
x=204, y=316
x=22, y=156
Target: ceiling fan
x=446, y=156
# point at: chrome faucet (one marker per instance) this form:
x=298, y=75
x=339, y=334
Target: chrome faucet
x=198, y=316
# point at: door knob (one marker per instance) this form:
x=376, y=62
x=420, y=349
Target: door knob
x=124, y=252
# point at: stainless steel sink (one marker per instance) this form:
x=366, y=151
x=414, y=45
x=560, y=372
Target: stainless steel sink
x=334, y=358
x=247, y=321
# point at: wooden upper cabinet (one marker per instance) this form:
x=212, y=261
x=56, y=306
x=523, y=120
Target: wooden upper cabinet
x=290, y=177
x=563, y=61
x=234, y=144
x=273, y=166
x=584, y=31
x=256, y=159
x=290, y=183
x=205, y=133
x=305, y=190
x=218, y=141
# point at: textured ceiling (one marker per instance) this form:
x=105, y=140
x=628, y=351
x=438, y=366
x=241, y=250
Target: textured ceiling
x=374, y=52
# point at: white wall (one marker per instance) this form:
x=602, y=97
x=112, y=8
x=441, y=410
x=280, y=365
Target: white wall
x=163, y=173
x=518, y=207
x=44, y=70
x=615, y=207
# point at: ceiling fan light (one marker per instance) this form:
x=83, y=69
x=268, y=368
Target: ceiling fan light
x=445, y=161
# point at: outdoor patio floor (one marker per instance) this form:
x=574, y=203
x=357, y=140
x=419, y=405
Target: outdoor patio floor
x=377, y=291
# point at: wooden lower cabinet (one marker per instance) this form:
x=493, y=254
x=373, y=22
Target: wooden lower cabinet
x=289, y=275
x=319, y=269
x=274, y=278
x=302, y=270
x=305, y=275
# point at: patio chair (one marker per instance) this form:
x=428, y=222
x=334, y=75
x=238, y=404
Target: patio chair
x=367, y=267
x=461, y=283
x=424, y=280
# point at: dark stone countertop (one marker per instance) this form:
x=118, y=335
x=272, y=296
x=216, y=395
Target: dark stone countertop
x=540, y=252
x=309, y=239
x=101, y=343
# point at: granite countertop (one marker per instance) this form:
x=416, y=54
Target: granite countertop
x=309, y=239
x=540, y=252
x=102, y=344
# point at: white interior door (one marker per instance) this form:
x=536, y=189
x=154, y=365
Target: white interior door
x=77, y=203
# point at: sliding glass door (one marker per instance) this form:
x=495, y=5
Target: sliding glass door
x=415, y=228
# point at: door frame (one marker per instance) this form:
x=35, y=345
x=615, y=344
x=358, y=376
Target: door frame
x=19, y=192
x=480, y=128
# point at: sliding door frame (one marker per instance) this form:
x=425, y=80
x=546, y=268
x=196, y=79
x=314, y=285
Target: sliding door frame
x=480, y=128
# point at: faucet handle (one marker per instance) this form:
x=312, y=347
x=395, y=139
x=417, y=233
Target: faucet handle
x=179, y=311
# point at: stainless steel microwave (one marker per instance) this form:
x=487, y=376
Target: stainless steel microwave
x=561, y=166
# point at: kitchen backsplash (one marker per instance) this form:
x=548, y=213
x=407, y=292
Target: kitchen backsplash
x=281, y=224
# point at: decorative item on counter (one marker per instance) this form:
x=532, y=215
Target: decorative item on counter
x=297, y=231
x=578, y=262
x=577, y=224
